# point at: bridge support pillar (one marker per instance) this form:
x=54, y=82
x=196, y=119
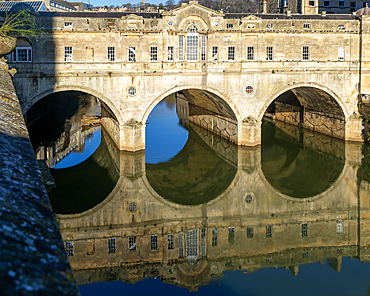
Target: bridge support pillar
x=354, y=129
x=132, y=136
x=249, y=133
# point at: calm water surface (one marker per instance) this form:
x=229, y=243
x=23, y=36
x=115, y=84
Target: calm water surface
x=197, y=214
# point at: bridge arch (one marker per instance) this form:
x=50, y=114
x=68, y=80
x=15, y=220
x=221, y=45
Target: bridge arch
x=230, y=103
x=87, y=90
x=321, y=89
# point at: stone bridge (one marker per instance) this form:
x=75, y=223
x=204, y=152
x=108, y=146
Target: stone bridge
x=240, y=214
x=310, y=70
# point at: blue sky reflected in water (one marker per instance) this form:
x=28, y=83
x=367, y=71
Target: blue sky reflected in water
x=313, y=279
x=165, y=137
x=92, y=142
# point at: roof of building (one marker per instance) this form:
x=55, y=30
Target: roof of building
x=37, y=6
x=62, y=2
x=363, y=11
x=101, y=14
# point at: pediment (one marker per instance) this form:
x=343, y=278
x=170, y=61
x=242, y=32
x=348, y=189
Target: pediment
x=132, y=17
x=193, y=8
x=251, y=17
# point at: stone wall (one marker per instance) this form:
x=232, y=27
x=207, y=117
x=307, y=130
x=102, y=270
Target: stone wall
x=32, y=256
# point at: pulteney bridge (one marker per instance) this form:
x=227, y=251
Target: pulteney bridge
x=307, y=69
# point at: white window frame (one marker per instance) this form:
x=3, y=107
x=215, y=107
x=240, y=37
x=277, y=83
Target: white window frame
x=170, y=53
x=215, y=53
x=15, y=54
x=342, y=3
x=181, y=47
x=181, y=245
x=111, y=54
x=132, y=54
x=154, y=54
x=341, y=53
x=250, y=53
x=231, y=238
x=203, y=49
x=170, y=242
x=68, y=24
x=214, y=236
x=269, y=53
x=154, y=242
x=192, y=244
x=69, y=248
x=306, y=26
x=192, y=47
x=231, y=53
x=229, y=26
x=68, y=53
x=340, y=227
x=132, y=243
x=304, y=229
x=306, y=53
x=111, y=245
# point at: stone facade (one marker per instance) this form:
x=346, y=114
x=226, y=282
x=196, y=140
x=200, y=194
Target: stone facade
x=276, y=222
x=131, y=62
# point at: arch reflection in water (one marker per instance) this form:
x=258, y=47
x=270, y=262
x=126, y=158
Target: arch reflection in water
x=85, y=185
x=297, y=162
x=150, y=236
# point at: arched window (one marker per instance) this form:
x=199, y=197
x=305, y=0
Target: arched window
x=23, y=51
x=192, y=43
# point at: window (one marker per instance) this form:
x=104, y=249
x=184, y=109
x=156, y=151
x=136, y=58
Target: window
x=203, y=51
x=131, y=91
x=170, y=53
x=181, y=47
x=342, y=4
x=214, y=236
x=154, y=54
x=269, y=231
x=306, y=26
x=353, y=7
x=231, y=235
x=22, y=54
x=286, y=3
x=229, y=26
x=203, y=236
x=192, y=47
x=132, y=54
x=249, y=232
x=154, y=242
x=340, y=226
x=90, y=54
x=67, y=25
x=250, y=53
x=311, y=3
x=111, y=245
x=192, y=237
x=111, y=54
x=69, y=248
x=68, y=53
x=269, y=53
x=269, y=26
x=132, y=243
x=326, y=3
x=305, y=53
x=304, y=229
x=341, y=27
x=249, y=90
x=340, y=53
x=170, y=241
x=181, y=245
x=231, y=53
x=214, y=53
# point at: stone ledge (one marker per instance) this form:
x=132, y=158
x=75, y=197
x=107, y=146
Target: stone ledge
x=32, y=256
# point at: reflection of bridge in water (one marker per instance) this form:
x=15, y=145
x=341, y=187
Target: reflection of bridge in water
x=136, y=233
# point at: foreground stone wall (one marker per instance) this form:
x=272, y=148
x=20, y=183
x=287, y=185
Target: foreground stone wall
x=32, y=256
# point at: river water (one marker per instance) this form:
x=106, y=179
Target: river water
x=195, y=213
